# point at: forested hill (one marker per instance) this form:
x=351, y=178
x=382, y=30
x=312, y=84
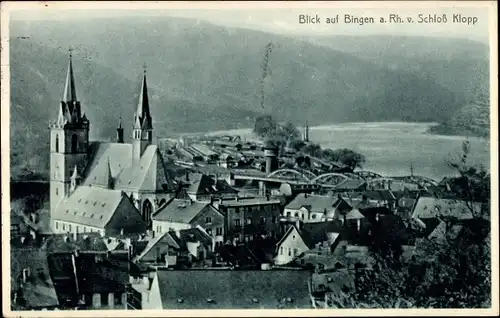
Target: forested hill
x=206, y=77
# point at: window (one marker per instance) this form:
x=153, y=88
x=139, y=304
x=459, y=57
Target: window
x=295, y=252
x=64, y=226
x=296, y=214
x=293, y=237
x=57, y=143
x=218, y=231
x=289, y=252
x=57, y=225
x=249, y=221
x=104, y=299
x=158, y=229
x=237, y=222
x=69, y=226
x=313, y=216
x=57, y=191
x=288, y=214
x=262, y=220
x=273, y=219
x=209, y=231
x=77, y=229
x=208, y=219
x=74, y=143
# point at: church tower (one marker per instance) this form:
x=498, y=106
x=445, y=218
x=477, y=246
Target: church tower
x=143, y=123
x=69, y=142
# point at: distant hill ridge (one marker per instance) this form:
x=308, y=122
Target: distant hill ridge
x=207, y=77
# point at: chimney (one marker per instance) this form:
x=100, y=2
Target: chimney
x=358, y=224
x=297, y=224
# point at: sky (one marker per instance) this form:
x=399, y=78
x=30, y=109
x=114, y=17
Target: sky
x=281, y=19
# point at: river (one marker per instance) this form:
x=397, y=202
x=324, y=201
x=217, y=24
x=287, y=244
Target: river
x=390, y=148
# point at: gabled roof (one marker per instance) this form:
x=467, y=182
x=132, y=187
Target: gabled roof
x=354, y=214
x=195, y=235
x=314, y=203
x=149, y=174
x=163, y=238
x=184, y=289
x=90, y=206
x=119, y=156
x=181, y=211
x=313, y=233
x=38, y=291
x=430, y=207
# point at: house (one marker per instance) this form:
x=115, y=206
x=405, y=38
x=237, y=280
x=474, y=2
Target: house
x=31, y=285
x=301, y=238
x=86, y=274
x=221, y=289
x=246, y=218
x=431, y=207
x=92, y=209
x=204, y=188
x=309, y=208
x=384, y=198
x=177, y=249
x=184, y=214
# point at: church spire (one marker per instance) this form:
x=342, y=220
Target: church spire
x=69, y=94
x=142, y=114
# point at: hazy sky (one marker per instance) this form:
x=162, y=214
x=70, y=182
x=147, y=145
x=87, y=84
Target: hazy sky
x=278, y=18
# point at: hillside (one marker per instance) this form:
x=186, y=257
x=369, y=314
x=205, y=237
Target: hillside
x=206, y=77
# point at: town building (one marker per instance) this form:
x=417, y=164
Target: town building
x=247, y=218
x=302, y=237
x=179, y=214
x=309, y=208
x=92, y=209
x=137, y=168
x=222, y=289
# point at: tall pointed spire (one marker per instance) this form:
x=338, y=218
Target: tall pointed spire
x=142, y=113
x=69, y=94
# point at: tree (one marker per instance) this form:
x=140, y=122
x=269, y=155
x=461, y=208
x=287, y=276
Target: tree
x=265, y=126
x=347, y=157
x=290, y=131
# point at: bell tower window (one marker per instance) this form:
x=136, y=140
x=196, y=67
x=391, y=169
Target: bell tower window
x=57, y=143
x=74, y=142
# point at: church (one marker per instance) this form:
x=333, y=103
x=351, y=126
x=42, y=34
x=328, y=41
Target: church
x=96, y=184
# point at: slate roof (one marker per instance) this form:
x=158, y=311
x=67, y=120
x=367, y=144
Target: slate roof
x=244, y=201
x=38, y=291
x=190, y=289
x=380, y=195
x=88, y=242
x=149, y=173
x=89, y=206
x=430, y=207
x=354, y=214
x=313, y=233
x=315, y=203
x=163, y=237
x=195, y=235
x=206, y=185
x=120, y=157
x=181, y=211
